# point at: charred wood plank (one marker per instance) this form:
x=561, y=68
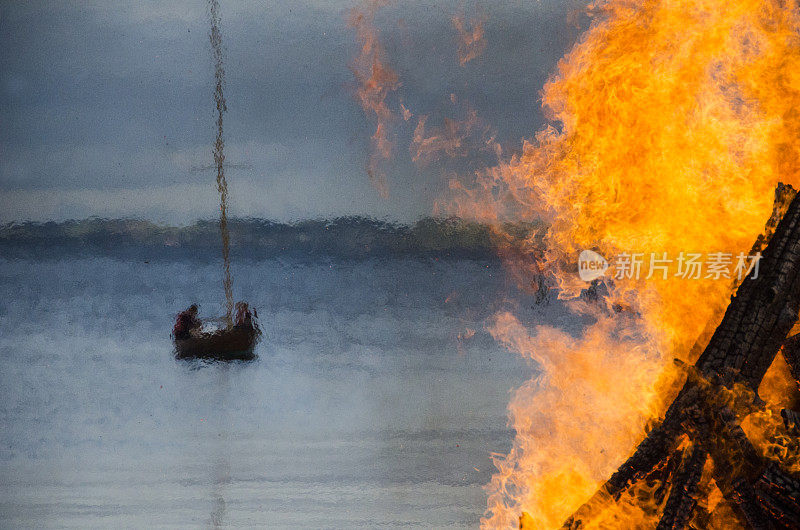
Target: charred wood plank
x=762, y=312
x=791, y=352
x=791, y=420
x=685, y=487
x=755, y=325
x=779, y=493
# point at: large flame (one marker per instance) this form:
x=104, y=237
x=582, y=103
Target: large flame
x=672, y=123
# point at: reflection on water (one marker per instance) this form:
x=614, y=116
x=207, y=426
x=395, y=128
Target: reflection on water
x=220, y=459
x=364, y=408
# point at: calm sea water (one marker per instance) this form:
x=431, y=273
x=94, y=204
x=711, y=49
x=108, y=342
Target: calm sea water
x=364, y=409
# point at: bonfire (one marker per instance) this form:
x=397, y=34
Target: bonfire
x=671, y=124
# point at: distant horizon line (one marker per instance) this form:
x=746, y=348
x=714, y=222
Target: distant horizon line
x=205, y=220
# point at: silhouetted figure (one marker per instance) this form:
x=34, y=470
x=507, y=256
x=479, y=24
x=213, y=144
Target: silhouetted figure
x=244, y=317
x=186, y=322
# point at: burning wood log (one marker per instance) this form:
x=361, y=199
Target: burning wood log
x=721, y=389
x=683, y=497
x=791, y=352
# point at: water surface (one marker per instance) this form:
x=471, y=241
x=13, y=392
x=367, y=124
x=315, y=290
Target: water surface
x=368, y=405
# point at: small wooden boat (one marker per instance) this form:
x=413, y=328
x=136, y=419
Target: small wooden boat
x=226, y=344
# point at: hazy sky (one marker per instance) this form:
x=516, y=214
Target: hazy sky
x=107, y=108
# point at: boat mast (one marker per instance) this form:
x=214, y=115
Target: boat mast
x=219, y=154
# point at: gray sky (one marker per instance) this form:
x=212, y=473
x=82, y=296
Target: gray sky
x=107, y=108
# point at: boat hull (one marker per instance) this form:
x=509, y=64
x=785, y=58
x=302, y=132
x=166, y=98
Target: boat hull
x=223, y=345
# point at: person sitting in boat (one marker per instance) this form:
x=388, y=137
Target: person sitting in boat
x=186, y=322
x=244, y=318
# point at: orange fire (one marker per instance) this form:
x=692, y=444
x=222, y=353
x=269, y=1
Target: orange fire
x=448, y=140
x=471, y=40
x=671, y=124
x=455, y=138
x=375, y=81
